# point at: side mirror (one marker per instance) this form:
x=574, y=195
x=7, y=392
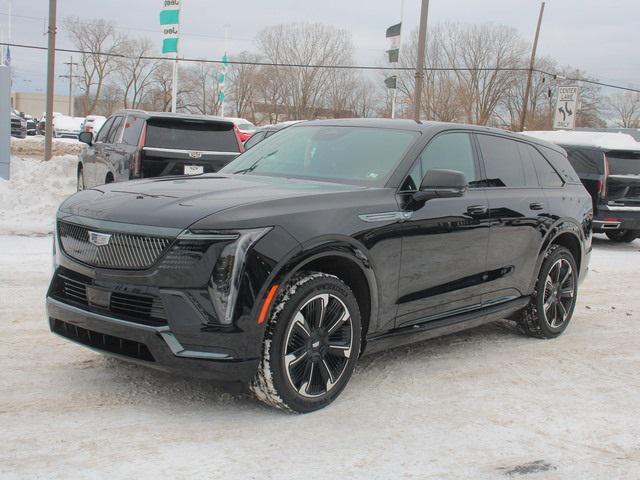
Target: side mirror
x=86, y=137
x=441, y=184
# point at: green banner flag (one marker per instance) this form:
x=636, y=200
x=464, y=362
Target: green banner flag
x=170, y=23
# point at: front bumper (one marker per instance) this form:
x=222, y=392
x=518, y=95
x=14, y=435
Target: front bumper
x=152, y=346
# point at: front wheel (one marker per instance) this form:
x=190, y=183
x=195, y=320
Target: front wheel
x=311, y=346
x=622, y=236
x=554, y=299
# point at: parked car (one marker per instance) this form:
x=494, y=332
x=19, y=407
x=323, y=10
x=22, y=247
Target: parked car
x=18, y=126
x=40, y=129
x=136, y=144
x=67, y=127
x=245, y=127
x=608, y=165
x=32, y=126
x=330, y=240
x=93, y=123
x=266, y=131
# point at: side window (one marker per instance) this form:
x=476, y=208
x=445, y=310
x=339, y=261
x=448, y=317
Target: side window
x=503, y=163
x=132, y=130
x=564, y=167
x=116, y=129
x=451, y=151
x=255, y=138
x=104, y=131
x=547, y=176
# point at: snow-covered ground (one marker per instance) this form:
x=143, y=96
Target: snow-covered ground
x=29, y=200
x=486, y=403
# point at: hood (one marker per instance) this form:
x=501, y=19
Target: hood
x=178, y=202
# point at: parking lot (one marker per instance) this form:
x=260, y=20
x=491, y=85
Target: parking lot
x=487, y=403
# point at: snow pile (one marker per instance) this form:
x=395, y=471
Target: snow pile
x=604, y=140
x=34, y=146
x=29, y=200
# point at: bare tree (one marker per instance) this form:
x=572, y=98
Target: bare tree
x=305, y=44
x=540, y=109
x=100, y=40
x=199, y=90
x=242, y=83
x=625, y=109
x=135, y=73
x=484, y=54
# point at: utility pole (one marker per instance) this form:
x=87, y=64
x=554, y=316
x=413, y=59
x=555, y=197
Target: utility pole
x=174, y=86
x=51, y=66
x=70, y=76
x=532, y=64
x=422, y=42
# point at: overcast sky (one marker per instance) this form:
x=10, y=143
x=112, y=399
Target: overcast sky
x=601, y=37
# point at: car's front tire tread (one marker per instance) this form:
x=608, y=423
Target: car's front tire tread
x=263, y=385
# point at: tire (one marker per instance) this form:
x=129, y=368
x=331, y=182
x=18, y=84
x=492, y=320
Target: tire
x=305, y=366
x=80, y=183
x=554, y=298
x=622, y=236
x=109, y=178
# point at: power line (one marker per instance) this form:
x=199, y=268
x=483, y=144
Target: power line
x=336, y=67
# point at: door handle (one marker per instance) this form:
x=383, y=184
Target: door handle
x=476, y=210
x=536, y=206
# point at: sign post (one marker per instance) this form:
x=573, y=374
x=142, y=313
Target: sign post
x=566, y=108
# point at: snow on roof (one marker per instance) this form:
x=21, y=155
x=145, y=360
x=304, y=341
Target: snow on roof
x=603, y=140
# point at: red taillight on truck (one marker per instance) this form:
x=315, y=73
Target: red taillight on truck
x=236, y=130
x=602, y=185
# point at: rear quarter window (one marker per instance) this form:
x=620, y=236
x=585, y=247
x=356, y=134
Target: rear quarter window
x=561, y=163
x=132, y=130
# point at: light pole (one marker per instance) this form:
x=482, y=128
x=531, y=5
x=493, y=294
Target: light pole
x=422, y=41
x=51, y=66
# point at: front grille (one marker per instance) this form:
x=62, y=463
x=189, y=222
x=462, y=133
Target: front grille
x=123, y=251
x=134, y=307
x=102, y=341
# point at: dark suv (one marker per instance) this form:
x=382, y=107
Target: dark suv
x=326, y=241
x=608, y=164
x=612, y=177
x=136, y=144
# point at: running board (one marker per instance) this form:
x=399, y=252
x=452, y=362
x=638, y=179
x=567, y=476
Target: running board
x=443, y=326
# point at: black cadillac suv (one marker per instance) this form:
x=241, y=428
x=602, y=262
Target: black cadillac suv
x=134, y=144
x=327, y=241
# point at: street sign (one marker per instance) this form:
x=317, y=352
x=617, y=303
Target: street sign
x=566, y=108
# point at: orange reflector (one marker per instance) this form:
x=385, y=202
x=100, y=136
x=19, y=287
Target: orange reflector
x=267, y=303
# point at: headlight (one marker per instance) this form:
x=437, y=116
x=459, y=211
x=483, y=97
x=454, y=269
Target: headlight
x=224, y=282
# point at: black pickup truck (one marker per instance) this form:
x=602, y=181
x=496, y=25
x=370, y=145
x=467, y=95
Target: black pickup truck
x=135, y=144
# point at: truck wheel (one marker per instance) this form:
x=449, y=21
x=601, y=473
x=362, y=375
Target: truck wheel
x=554, y=298
x=622, y=236
x=311, y=345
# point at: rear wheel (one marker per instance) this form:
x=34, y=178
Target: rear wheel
x=109, y=178
x=622, y=236
x=311, y=344
x=554, y=299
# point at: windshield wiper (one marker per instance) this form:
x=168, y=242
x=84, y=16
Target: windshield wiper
x=253, y=166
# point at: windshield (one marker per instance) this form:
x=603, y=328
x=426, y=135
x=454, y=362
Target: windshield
x=624, y=163
x=359, y=155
